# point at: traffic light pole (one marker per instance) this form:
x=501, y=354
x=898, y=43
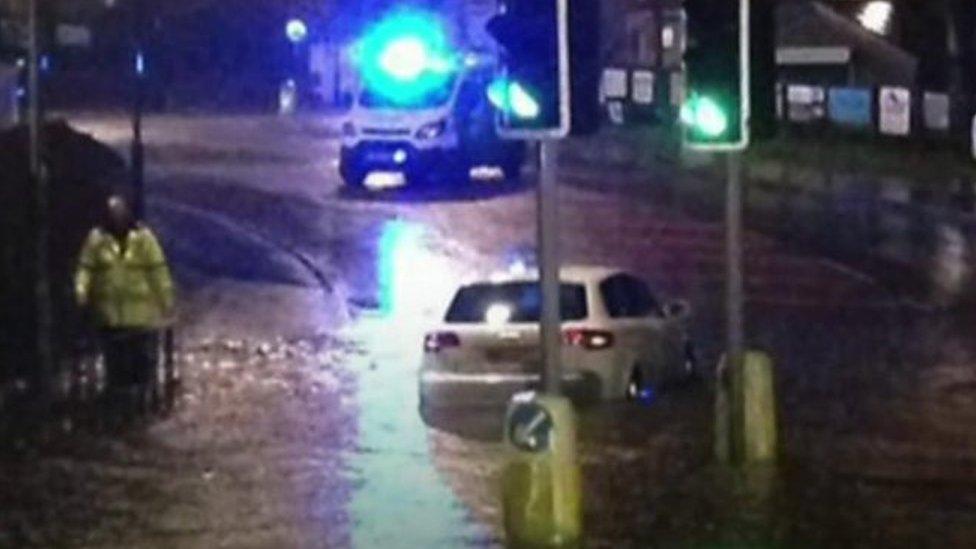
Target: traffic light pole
x=42, y=287
x=548, y=244
x=735, y=299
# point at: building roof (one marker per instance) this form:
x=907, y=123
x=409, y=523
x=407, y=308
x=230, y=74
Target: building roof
x=813, y=24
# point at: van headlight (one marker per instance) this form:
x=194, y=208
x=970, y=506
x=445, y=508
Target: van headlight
x=432, y=130
x=349, y=129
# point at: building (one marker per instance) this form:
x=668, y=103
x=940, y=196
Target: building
x=817, y=44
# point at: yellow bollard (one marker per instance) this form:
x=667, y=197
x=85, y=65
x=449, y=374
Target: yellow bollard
x=541, y=495
x=759, y=401
x=755, y=442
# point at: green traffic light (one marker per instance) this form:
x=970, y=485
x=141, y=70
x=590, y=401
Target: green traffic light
x=513, y=98
x=705, y=115
x=523, y=104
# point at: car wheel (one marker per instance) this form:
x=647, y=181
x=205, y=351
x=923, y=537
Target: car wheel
x=636, y=386
x=690, y=367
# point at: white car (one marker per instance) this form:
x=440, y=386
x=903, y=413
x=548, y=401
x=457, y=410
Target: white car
x=615, y=333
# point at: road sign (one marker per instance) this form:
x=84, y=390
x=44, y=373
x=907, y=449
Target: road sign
x=895, y=110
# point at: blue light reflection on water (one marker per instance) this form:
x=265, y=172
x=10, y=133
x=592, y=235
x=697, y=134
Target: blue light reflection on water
x=401, y=500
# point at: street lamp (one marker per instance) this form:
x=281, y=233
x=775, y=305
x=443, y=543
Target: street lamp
x=876, y=16
x=296, y=30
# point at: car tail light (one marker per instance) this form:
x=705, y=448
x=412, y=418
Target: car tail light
x=591, y=340
x=438, y=341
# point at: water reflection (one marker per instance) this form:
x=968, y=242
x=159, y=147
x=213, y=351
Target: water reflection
x=415, y=283
x=401, y=500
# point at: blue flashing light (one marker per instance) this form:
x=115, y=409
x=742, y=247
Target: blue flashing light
x=45, y=63
x=296, y=30
x=405, y=59
x=406, y=56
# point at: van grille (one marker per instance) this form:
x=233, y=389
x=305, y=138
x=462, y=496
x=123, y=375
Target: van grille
x=386, y=132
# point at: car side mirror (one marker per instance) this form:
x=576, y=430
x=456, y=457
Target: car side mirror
x=677, y=309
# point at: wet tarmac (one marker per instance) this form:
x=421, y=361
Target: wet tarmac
x=315, y=439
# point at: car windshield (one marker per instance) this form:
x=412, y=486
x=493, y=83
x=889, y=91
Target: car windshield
x=436, y=97
x=519, y=301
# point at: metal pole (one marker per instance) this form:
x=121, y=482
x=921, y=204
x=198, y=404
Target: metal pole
x=548, y=240
x=33, y=81
x=42, y=287
x=138, y=150
x=735, y=329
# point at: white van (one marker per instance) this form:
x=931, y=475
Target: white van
x=444, y=135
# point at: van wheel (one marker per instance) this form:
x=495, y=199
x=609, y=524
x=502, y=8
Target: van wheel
x=352, y=174
x=512, y=171
x=354, y=180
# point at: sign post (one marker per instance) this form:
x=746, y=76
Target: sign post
x=735, y=299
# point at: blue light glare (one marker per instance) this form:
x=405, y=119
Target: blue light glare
x=405, y=59
x=399, y=248
x=647, y=396
x=406, y=56
x=414, y=282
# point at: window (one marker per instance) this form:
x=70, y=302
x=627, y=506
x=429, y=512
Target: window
x=628, y=297
x=434, y=98
x=471, y=303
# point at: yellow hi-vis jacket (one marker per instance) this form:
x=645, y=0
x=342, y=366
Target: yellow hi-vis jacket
x=130, y=289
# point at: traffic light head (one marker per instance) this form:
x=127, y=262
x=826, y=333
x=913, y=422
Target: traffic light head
x=549, y=71
x=405, y=57
x=716, y=110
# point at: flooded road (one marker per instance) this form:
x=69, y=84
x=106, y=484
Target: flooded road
x=303, y=311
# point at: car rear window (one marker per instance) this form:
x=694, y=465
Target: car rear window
x=471, y=303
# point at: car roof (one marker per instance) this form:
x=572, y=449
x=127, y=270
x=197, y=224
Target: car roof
x=578, y=273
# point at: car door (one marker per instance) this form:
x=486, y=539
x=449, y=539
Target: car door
x=630, y=328
x=657, y=337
